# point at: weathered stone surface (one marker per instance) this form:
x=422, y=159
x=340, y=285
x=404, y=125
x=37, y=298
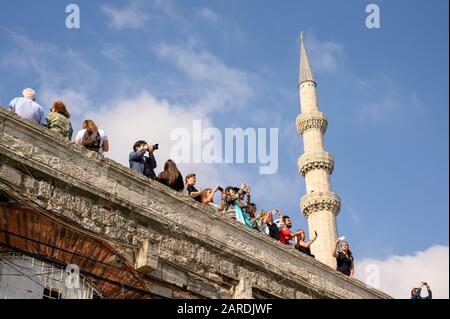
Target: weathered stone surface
x=243, y=290
x=147, y=256
x=197, y=251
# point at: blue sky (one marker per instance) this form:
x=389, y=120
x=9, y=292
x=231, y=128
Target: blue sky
x=235, y=64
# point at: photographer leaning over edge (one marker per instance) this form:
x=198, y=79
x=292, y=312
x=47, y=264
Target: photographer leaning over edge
x=139, y=162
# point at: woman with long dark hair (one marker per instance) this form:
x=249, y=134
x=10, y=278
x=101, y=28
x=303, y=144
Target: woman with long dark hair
x=344, y=258
x=58, y=120
x=302, y=244
x=171, y=176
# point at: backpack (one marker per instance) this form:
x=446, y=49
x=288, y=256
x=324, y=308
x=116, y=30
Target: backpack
x=91, y=141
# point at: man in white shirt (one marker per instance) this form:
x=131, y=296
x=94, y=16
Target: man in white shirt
x=269, y=226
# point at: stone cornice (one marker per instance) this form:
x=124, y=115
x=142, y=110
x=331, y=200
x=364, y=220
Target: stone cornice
x=320, y=201
x=312, y=120
x=316, y=160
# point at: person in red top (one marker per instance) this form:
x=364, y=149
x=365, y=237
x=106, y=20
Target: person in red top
x=285, y=234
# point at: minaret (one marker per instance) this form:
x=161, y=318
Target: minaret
x=319, y=205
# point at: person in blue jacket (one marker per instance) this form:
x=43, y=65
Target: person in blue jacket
x=141, y=163
x=415, y=292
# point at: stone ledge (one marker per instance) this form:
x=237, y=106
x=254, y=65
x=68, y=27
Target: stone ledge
x=146, y=202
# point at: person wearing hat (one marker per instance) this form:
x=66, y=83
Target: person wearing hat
x=139, y=162
x=26, y=107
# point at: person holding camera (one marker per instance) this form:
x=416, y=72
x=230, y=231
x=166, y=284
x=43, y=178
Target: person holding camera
x=207, y=197
x=232, y=206
x=303, y=245
x=269, y=226
x=139, y=162
x=415, y=292
x=251, y=213
x=344, y=258
x=244, y=198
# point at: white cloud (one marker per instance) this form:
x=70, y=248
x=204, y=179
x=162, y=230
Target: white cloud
x=209, y=15
x=215, y=84
x=127, y=117
x=380, y=95
x=377, y=109
x=114, y=52
x=324, y=55
x=49, y=65
x=77, y=102
x=139, y=14
x=54, y=72
x=130, y=119
x=399, y=274
x=131, y=16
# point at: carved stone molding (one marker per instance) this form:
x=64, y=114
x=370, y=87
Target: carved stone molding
x=307, y=121
x=320, y=201
x=316, y=160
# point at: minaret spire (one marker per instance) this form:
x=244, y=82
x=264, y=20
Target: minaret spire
x=319, y=205
x=305, y=69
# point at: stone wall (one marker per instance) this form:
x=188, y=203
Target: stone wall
x=167, y=235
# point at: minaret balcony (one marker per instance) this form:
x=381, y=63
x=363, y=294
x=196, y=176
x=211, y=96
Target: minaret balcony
x=311, y=120
x=316, y=160
x=320, y=201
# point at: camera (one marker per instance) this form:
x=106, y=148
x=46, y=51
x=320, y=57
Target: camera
x=220, y=188
x=155, y=146
x=228, y=199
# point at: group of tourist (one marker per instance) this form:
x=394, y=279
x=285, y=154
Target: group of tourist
x=235, y=202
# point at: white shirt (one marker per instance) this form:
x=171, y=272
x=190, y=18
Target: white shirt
x=292, y=241
x=264, y=229
x=214, y=206
x=102, y=134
